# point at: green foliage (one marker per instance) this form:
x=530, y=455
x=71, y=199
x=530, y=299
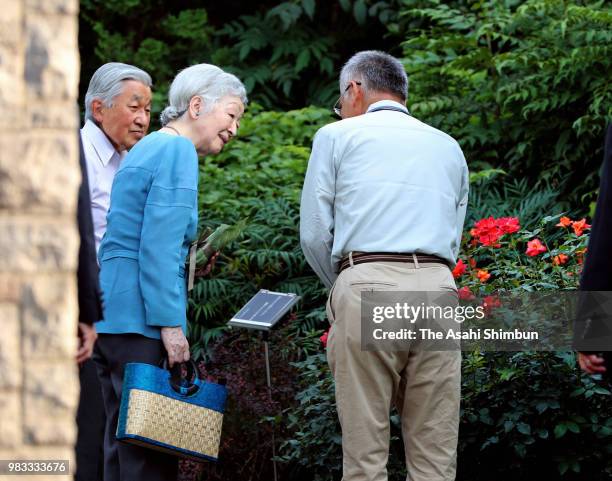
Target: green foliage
x=159, y=37
x=537, y=413
x=533, y=410
x=258, y=178
x=513, y=269
x=286, y=52
x=268, y=160
x=316, y=442
x=524, y=86
x=505, y=196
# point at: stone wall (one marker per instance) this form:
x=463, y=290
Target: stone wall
x=39, y=178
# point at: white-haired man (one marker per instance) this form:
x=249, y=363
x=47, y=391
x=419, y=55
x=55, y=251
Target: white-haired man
x=117, y=115
x=384, y=202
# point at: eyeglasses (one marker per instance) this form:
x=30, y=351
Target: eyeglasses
x=338, y=104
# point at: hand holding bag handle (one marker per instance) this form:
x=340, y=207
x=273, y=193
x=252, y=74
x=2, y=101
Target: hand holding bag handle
x=176, y=376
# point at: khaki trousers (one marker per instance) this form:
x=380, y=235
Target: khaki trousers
x=423, y=385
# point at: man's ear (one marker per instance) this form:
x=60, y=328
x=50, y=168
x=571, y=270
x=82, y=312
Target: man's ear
x=97, y=107
x=358, y=99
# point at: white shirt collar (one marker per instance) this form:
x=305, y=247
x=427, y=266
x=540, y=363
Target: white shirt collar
x=100, y=142
x=387, y=103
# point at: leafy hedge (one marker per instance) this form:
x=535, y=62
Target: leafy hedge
x=524, y=86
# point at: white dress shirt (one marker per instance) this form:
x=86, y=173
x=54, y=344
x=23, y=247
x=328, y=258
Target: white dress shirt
x=102, y=162
x=382, y=182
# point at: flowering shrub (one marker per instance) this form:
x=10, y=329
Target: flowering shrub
x=535, y=410
x=498, y=255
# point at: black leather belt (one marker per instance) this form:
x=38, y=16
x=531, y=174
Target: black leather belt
x=363, y=257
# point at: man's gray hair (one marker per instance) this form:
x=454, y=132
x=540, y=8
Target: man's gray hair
x=203, y=80
x=377, y=71
x=107, y=83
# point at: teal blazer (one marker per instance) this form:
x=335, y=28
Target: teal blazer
x=152, y=220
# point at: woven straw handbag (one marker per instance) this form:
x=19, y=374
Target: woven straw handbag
x=161, y=410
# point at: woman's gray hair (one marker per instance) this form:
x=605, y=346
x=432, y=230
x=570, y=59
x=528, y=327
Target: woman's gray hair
x=203, y=80
x=107, y=83
x=377, y=71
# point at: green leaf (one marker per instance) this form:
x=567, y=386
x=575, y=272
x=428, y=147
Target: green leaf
x=485, y=174
x=560, y=430
x=360, y=11
x=302, y=60
x=520, y=449
x=573, y=427
x=309, y=8
x=543, y=433
x=524, y=428
x=601, y=390
x=345, y=4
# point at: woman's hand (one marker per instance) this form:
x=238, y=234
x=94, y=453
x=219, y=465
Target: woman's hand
x=591, y=363
x=176, y=344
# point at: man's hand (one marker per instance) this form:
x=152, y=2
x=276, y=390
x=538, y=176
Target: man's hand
x=87, y=339
x=591, y=363
x=176, y=344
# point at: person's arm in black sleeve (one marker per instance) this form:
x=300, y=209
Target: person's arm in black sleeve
x=593, y=320
x=89, y=296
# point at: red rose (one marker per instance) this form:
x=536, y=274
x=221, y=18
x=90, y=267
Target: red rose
x=535, y=247
x=459, y=269
x=489, y=303
x=465, y=294
x=564, y=222
x=579, y=226
x=508, y=225
x=483, y=275
x=323, y=338
x=488, y=231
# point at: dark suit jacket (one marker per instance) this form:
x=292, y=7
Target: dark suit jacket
x=593, y=329
x=597, y=273
x=90, y=305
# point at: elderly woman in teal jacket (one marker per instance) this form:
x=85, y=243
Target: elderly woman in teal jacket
x=152, y=220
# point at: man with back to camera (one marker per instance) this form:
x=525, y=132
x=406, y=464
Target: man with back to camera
x=117, y=115
x=383, y=207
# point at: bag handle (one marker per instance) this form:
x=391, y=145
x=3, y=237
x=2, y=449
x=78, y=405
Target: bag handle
x=176, y=379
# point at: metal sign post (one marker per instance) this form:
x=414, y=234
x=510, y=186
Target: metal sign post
x=263, y=311
x=265, y=336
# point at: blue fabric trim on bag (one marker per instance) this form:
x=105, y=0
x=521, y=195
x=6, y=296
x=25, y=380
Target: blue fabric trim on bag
x=170, y=447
